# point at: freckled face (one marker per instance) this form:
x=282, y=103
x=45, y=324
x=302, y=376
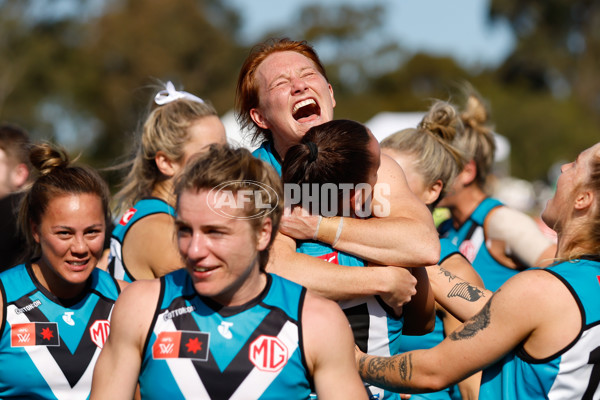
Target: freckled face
x=293, y=97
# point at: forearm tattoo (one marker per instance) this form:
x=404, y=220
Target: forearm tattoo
x=478, y=323
x=447, y=274
x=386, y=372
x=466, y=291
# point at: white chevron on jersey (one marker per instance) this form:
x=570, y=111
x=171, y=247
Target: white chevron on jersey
x=252, y=387
x=116, y=252
x=571, y=377
x=50, y=370
x=258, y=381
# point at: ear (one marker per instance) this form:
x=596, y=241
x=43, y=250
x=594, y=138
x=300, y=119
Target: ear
x=433, y=192
x=263, y=236
x=584, y=200
x=468, y=174
x=35, y=231
x=19, y=175
x=259, y=119
x=332, y=96
x=165, y=165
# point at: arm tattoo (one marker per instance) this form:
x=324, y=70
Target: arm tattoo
x=387, y=372
x=478, y=323
x=466, y=291
x=447, y=274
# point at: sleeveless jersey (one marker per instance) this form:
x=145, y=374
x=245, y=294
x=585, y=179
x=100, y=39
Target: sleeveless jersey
x=470, y=239
x=376, y=330
x=141, y=209
x=572, y=373
x=198, y=349
x=48, y=347
x=265, y=152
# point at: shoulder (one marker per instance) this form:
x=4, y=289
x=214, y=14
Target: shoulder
x=320, y=312
x=138, y=295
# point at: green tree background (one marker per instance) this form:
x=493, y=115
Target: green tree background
x=84, y=77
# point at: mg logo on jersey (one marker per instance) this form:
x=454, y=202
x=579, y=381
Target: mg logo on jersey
x=127, y=216
x=99, y=332
x=268, y=353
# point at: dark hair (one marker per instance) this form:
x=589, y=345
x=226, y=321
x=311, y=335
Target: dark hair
x=246, y=95
x=56, y=177
x=342, y=156
x=14, y=140
x=241, y=171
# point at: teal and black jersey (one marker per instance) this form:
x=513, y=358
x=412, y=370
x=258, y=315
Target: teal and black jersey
x=266, y=153
x=141, y=209
x=49, y=346
x=573, y=372
x=376, y=329
x=199, y=349
x=470, y=239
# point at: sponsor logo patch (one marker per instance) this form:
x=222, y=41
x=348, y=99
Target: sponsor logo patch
x=34, y=334
x=268, y=353
x=330, y=257
x=181, y=344
x=99, y=332
x=127, y=216
x=468, y=250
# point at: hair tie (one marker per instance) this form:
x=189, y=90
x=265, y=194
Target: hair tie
x=314, y=151
x=169, y=94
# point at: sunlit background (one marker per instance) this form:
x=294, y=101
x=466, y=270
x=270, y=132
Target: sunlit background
x=82, y=72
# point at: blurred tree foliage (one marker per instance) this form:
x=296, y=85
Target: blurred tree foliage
x=84, y=76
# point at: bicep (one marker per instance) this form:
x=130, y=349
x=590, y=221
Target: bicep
x=330, y=352
x=117, y=369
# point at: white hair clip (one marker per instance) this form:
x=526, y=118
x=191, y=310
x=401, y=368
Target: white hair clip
x=169, y=94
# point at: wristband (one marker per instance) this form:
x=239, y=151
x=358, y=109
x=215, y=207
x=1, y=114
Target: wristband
x=317, y=231
x=339, y=232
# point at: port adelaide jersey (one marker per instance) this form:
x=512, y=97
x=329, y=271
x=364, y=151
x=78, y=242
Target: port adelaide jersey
x=48, y=346
x=198, y=349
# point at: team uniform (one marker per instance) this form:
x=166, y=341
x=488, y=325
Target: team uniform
x=376, y=330
x=199, y=349
x=572, y=373
x=432, y=339
x=141, y=209
x=470, y=239
x=49, y=346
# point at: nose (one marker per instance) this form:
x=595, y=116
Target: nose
x=196, y=248
x=299, y=85
x=565, y=167
x=78, y=245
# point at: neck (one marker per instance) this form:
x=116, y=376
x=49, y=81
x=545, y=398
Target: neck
x=465, y=202
x=54, y=284
x=282, y=147
x=164, y=191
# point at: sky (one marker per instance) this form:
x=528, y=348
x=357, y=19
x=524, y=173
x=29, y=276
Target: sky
x=456, y=28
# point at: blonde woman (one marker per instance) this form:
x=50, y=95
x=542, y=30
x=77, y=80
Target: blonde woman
x=143, y=242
